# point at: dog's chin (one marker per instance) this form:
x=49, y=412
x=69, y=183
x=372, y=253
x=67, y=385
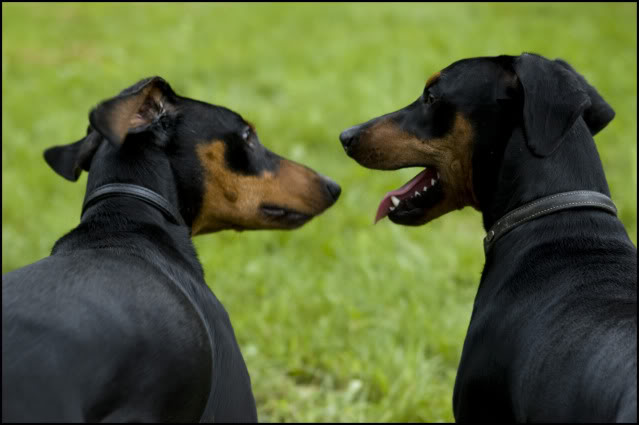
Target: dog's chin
x=416, y=202
x=419, y=210
x=278, y=217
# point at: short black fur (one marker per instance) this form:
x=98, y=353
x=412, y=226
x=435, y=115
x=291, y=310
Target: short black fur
x=80, y=342
x=553, y=332
x=119, y=324
x=553, y=335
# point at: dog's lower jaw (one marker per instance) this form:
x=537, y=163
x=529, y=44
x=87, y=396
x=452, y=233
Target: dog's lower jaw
x=454, y=198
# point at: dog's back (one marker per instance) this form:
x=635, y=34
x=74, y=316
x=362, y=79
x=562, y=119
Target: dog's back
x=78, y=344
x=559, y=337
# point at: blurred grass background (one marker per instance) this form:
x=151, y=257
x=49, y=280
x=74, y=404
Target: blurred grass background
x=340, y=320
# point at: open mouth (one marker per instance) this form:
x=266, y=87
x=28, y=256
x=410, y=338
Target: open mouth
x=286, y=216
x=410, y=202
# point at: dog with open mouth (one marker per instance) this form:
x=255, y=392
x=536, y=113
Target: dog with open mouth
x=553, y=333
x=398, y=140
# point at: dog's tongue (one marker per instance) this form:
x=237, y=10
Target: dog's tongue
x=415, y=184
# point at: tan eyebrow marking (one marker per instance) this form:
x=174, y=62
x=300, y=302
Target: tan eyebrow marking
x=432, y=79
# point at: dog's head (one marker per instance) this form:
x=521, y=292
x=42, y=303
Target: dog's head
x=206, y=159
x=459, y=126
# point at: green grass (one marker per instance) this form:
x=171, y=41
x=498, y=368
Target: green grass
x=340, y=320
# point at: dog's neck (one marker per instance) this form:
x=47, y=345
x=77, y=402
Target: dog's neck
x=131, y=226
x=523, y=177
x=148, y=167
x=137, y=192
x=118, y=222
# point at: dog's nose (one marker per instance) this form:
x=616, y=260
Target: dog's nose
x=333, y=188
x=349, y=137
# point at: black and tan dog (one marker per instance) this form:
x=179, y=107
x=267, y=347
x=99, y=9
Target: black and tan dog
x=118, y=323
x=553, y=333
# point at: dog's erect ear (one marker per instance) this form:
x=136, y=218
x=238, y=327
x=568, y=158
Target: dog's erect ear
x=132, y=111
x=553, y=100
x=70, y=160
x=599, y=114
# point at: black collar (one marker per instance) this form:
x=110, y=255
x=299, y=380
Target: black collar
x=544, y=206
x=138, y=192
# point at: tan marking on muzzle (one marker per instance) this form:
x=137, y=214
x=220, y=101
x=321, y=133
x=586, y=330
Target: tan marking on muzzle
x=233, y=200
x=385, y=146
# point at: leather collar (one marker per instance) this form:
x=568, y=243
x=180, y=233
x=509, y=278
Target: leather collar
x=138, y=192
x=544, y=206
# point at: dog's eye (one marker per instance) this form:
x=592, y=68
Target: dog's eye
x=430, y=99
x=246, y=134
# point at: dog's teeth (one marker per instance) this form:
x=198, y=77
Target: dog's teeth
x=432, y=182
x=392, y=208
x=425, y=188
x=417, y=193
x=395, y=200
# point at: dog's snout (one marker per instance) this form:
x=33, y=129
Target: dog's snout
x=333, y=189
x=349, y=137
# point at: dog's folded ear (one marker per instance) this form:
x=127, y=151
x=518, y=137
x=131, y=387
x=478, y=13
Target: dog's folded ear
x=600, y=113
x=553, y=100
x=134, y=110
x=69, y=160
